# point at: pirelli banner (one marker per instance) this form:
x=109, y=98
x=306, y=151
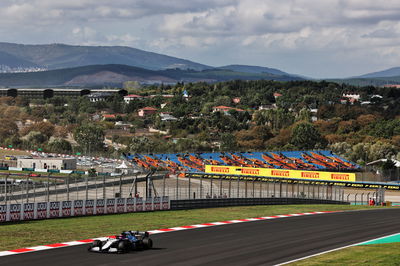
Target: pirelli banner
x=366, y=185
x=280, y=173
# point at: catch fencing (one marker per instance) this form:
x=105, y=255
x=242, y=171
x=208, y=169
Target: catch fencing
x=57, y=209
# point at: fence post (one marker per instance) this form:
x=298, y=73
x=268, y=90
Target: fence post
x=201, y=186
x=287, y=189
x=87, y=183
x=163, y=190
x=260, y=188
x=355, y=199
x=189, y=187
x=48, y=187
x=362, y=198
x=177, y=188
x=230, y=186
x=120, y=186
x=253, y=187
x=27, y=189
x=211, y=187
x=6, y=190
x=34, y=192
x=220, y=186
x=245, y=185
x=69, y=176
x=104, y=186
x=238, y=187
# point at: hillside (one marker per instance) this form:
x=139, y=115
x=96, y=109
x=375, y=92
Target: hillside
x=57, y=56
x=379, y=81
x=12, y=61
x=391, y=72
x=254, y=69
x=118, y=74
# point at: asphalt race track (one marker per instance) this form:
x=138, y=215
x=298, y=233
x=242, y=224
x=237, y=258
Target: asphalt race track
x=265, y=242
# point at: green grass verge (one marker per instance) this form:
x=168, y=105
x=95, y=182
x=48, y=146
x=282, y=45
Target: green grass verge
x=33, y=233
x=381, y=254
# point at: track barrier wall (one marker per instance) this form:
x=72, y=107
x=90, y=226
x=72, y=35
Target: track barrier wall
x=57, y=209
x=213, y=203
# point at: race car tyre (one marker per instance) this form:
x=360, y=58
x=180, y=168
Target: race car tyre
x=123, y=246
x=97, y=243
x=147, y=243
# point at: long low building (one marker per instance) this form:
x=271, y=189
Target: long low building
x=45, y=93
x=47, y=163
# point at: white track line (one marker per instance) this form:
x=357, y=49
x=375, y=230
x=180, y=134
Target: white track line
x=158, y=231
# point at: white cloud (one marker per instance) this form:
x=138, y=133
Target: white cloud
x=362, y=33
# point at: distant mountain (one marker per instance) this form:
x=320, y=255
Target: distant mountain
x=254, y=69
x=391, y=72
x=379, y=81
x=12, y=61
x=117, y=74
x=379, y=78
x=58, y=56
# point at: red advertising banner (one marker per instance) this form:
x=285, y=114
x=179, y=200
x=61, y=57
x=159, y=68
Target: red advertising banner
x=100, y=206
x=15, y=212
x=157, y=204
x=3, y=213
x=120, y=205
x=130, y=204
x=41, y=210
x=78, y=207
x=29, y=211
x=66, y=208
x=54, y=209
x=110, y=205
x=89, y=207
x=149, y=204
x=139, y=205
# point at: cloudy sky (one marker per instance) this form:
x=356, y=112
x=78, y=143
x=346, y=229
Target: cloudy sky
x=317, y=38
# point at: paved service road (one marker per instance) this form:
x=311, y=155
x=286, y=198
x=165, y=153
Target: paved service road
x=265, y=242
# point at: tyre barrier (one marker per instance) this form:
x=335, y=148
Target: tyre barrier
x=57, y=209
x=214, y=203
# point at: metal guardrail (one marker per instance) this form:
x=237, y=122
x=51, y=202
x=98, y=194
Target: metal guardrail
x=213, y=203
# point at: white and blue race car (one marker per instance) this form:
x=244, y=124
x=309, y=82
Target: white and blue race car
x=125, y=242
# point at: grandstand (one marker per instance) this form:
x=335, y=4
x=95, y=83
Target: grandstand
x=195, y=162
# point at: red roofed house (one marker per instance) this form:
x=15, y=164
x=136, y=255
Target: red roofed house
x=112, y=116
x=132, y=97
x=277, y=94
x=146, y=111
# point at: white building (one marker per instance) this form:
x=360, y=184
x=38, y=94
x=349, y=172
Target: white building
x=47, y=163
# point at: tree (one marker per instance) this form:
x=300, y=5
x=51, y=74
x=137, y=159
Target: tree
x=141, y=145
x=8, y=128
x=228, y=142
x=254, y=138
x=46, y=128
x=90, y=137
x=59, y=145
x=304, y=115
x=305, y=136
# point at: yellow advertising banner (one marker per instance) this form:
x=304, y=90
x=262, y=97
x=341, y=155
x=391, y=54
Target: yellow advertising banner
x=280, y=173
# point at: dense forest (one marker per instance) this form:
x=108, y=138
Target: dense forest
x=261, y=115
